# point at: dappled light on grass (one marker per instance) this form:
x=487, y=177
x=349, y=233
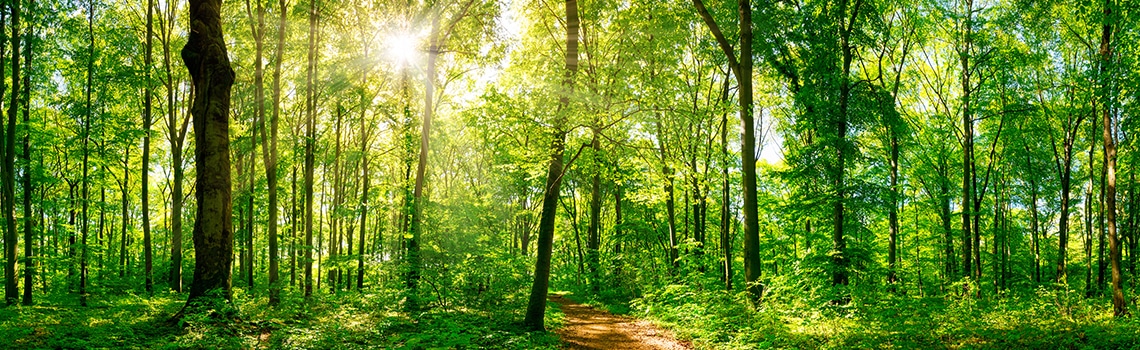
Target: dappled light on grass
x=1038, y=319
x=372, y=320
x=128, y=321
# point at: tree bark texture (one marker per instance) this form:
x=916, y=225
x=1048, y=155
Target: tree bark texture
x=207, y=61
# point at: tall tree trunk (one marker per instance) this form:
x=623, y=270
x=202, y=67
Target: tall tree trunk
x=144, y=176
x=363, y=206
x=725, y=220
x=670, y=204
x=1100, y=267
x=944, y=214
x=337, y=193
x=1119, y=305
x=124, y=188
x=967, y=142
x=1063, y=223
x=996, y=244
x=268, y=140
x=536, y=307
x=1033, y=214
x=293, y=226
x=1063, y=159
x=29, y=222
x=1090, y=289
x=618, y=237
x=176, y=137
x=839, y=255
x=366, y=181
x=310, y=144
x=9, y=260
x=72, y=247
x=742, y=68
x=207, y=61
x=86, y=153
x=593, y=236
x=413, y=258
x=249, y=212
x=893, y=214
x=9, y=169
x=123, y=230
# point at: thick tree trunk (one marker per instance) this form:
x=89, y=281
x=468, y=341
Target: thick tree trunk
x=208, y=63
x=536, y=307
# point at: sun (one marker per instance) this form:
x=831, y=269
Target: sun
x=402, y=48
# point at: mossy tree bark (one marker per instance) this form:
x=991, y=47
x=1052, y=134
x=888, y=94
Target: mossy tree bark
x=207, y=61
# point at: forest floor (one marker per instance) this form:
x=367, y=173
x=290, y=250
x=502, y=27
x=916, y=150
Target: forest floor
x=348, y=320
x=585, y=327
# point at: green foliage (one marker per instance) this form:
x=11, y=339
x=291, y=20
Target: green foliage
x=345, y=321
x=1042, y=318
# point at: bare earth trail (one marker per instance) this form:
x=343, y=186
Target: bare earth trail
x=589, y=328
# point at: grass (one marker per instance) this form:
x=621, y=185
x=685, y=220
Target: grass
x=346, y=321
x=1039, y=319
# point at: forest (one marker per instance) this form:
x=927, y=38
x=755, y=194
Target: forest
x=583, y=174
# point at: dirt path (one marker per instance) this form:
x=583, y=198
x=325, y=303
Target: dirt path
x=588, y=328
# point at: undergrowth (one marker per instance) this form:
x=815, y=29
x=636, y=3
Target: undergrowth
x=1041, y=318
x=349, y=320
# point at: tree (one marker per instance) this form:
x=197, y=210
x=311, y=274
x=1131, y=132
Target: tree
x=740, y=62
x=271, y=156
x=85, y=180
x=310, y=144
x=1119, y=307
x=268, y=150
x=148, y=97
x=29, y=220
x=207, y=61
x=176, y=131
x=9, y=173
x=536, y=307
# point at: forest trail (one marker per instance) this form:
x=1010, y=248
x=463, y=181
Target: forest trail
x=589, y=328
